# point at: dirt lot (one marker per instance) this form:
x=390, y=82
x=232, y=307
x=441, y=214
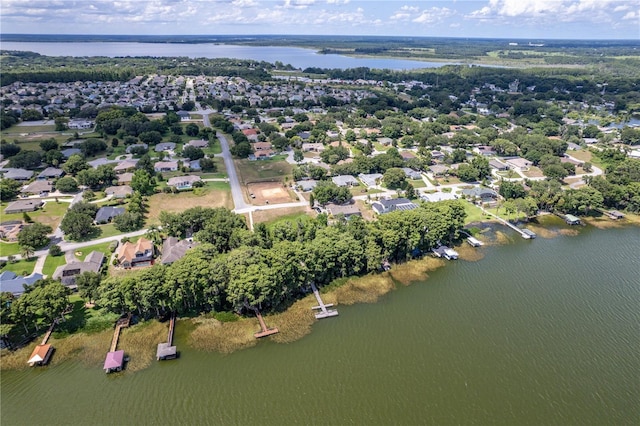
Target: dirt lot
x=268, y=193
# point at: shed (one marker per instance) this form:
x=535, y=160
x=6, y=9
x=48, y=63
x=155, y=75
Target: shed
x=572, y=220
x=40, y=355
x=114, y=361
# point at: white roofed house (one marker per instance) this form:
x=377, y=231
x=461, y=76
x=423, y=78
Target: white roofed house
x=390, y=205
x=519, y=163
x=183, y=182
x=165, y=166
x=345, y=180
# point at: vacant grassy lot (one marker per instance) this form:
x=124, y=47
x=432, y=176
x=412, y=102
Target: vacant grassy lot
x=214, y=194
x=582, y=155
x=533, y=172
x=281, y=215
x=50, y=214
x=29, y=129
x=262, y=170
x=417, y=183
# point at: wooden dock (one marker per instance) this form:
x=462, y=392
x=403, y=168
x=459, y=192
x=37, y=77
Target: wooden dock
x=167, y=350
x=324, y=312
x=525, y=235
x=122, y=323
x=264, y=331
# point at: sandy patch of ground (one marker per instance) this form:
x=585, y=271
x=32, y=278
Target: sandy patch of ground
x=268, y=193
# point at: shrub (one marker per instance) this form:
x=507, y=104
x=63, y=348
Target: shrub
x=55, y=250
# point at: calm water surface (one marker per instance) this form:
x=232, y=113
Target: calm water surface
x=537, y=332
x=298, y=57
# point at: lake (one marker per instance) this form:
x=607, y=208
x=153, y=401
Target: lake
x=298, y=57
x=537, y=332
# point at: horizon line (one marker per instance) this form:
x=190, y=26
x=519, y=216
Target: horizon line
x=320, y=35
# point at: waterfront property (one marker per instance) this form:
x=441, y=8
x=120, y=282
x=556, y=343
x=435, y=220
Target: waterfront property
x=115, y=359
x=446, y=252
x=324, y=312
x=132, y=255
x=572, y=220
x=40, y=355
x=15, y=284
x=68, y=273
x=166, y=350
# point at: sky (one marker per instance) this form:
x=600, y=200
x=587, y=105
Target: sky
x=510, y=19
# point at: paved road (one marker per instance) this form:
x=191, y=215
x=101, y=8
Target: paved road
x=236, y=188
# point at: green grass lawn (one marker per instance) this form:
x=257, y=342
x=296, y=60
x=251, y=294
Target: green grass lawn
x=108, y=230
x=417, y=183
x=213, y=150
x=51, y=263
x=103, y=247
x=8, y=249
x=30, y=129
x=474, y=213
x=262, y=170
x=22, y=267
x=50, y=214
x=303, y=216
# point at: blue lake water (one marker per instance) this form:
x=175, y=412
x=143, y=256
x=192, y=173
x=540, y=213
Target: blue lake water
x=298, y=57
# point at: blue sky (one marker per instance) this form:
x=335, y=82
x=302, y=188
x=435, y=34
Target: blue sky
x=590, y=19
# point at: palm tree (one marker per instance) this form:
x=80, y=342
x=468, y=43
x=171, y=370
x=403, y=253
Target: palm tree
x=27, y=252
x=153, y=233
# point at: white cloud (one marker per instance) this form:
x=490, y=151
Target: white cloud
x=631, y=15
x=435, y=14
x=548, y=11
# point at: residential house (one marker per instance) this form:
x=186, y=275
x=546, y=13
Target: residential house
x=79, y=124
x=371, y=179
x=262, y=146
x=437, y=155
x=411, y=174
x=21, y=206
x=125, y=166
x=485, y=150
x=184, y=115
x=306, y=185
x=136, y=145
x=198, y=143
x=165, y=146
x=495, y=164
x=67, y=273
x=195, y=165
x=50, y=173
x=107, y=213
x=347, y=210
x=183, y=182
x=385, y=141
x=132, y=255
x=518, y=163
x=485, y=195
x=439, y=169
x=174, y=249
x=264, y=154
x=393, y=204
x=66, y=153
x=125, y=178
x=17, y=174
x=165, y=166
x=251, y=134
x=345, y=180
x=15, y=284
x=438, y=196
x=38, y=187
x=122, y=191
x=314, y=147
x=407, y=155
x=10, y=229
